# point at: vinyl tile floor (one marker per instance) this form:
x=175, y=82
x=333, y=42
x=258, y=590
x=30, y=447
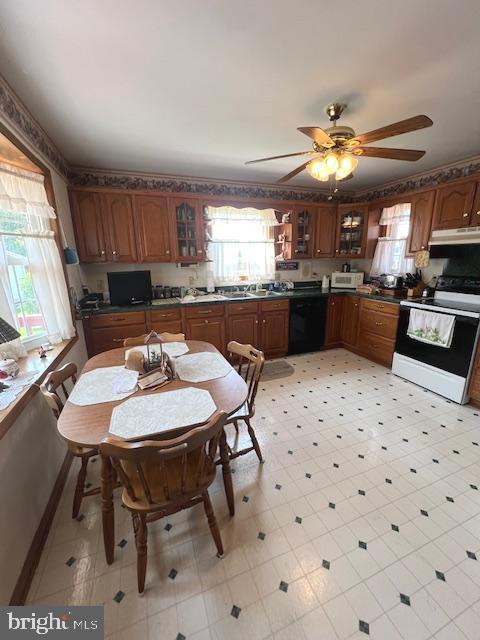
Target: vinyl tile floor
x=364, y=520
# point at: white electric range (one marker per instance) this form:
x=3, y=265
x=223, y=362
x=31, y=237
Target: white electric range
x=446, y=371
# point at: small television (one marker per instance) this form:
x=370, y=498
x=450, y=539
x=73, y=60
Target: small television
x=129, y=287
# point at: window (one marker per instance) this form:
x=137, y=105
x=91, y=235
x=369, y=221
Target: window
x=241, y=244
x=391, y=247
x=33, y=291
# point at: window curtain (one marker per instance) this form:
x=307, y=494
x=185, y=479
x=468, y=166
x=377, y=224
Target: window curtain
x=390, y=250
x=241, y=245
x=26, y=213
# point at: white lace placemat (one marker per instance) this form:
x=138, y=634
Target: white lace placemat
x=15, y=387
x=174, y=349
x=198, y=367
x=106, y=384
x=146, y=415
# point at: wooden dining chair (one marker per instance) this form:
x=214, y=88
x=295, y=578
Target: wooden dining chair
x=166, y=337
x=161, y=478
x=50, y=388
x=249, y=363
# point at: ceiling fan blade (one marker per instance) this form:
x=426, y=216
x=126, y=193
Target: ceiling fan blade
x=391, y=154
x=395, y=129
x=287, y=155
x=318, y=135
x=293, y=173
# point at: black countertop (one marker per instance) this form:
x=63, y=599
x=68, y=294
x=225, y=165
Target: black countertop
x=174, y=303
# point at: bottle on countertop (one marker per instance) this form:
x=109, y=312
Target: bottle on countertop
x=325, y=283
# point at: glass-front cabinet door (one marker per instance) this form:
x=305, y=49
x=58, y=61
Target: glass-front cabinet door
x=303, y=221
x=188, y=231
x=351, y=231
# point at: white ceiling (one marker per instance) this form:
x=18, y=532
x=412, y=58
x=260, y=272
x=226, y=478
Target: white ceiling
x=197, y=88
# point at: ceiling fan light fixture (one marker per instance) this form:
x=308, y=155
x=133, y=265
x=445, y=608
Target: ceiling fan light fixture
x=318, y=169
x=331, y=162
x=347, y=164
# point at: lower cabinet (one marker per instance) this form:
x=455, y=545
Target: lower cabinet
x=169, y=321
x=274, y=328
x=378, y=330
x=475, y=381
x=107, y=331
x=242, y=323
x=351, y=316
x=206, y=323
x=334, y=328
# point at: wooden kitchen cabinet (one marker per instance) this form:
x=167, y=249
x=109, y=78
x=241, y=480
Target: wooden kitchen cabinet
x=165, y=320
x=421, y=214
x=378, y=330
x=324, y=234
x=303, y=222
x=117, y=211
x=152, y=226
x=454, y=206
x=108, y=331
x=187, y=230
x=474, y=389
x=88, y=225
x=334, y=328
x=350, y=322
x=273, y=322
x=351, y=233
x=243, y=323
x=207, y=323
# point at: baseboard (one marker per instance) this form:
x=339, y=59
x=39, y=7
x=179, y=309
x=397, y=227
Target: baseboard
x=32, y=559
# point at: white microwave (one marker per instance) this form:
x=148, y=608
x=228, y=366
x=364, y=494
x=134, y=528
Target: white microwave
x=351, y=280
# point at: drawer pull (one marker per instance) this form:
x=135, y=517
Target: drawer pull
x=465, y=215
x=379, y=324
x=205, y=311
x=118, y=339
x=206, y=321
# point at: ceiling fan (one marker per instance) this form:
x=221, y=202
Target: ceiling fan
x=338, y=147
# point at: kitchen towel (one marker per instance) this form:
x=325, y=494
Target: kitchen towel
x=430, y=327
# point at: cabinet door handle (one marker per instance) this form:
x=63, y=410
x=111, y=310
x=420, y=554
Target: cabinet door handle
x=355, y=304
x=264, y=321
x=117, y=339
x=206, y=321
x=318, y=250
x=336, y=250
x=200, y=251
x=256, y=321
x=114, y=253
x=465, y=215
x=379, y=324
x=102, y=252
x=422, y=247
x=478, y=213
x=167, y=252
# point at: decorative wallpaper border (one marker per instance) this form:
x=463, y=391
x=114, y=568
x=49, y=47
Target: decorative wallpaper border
x=426, y=180
x=16, y=114
x=175, y=184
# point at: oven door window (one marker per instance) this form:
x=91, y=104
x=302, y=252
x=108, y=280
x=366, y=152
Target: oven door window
x=455, y=360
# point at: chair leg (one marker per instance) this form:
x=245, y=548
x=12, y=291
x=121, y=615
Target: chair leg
x=213, y=524
x=235, y=424
x=254, y=440
x=80, y=487
x=141, y=533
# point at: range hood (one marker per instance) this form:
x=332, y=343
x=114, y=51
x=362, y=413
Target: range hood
x=464, y=235
x=453, y=243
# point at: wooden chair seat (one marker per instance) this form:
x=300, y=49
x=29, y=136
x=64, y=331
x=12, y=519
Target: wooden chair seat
x=53, y=383
x=163, y=477
x=249, y=363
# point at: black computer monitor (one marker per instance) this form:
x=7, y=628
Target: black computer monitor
x=129, y=287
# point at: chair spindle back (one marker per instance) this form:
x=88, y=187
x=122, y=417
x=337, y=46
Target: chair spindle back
x=55, y=381
x=249, y=363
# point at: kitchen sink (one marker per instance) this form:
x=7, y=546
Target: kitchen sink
x=265, y=294
x=239, y=294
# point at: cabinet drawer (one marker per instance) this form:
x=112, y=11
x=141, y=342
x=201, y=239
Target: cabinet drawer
x=117, y=319
x=377, y=348
x=274, y=305
x=381, y=324
x=106, y=338
x=164, y=315
x=378, y=305
x=242, y=307
x=204, y=311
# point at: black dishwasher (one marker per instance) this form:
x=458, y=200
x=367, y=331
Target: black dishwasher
x=307, y=324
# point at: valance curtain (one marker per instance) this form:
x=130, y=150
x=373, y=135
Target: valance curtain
x=390, y=250
x=25, y=214
x=241, y=244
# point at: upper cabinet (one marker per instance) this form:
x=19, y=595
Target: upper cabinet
x=188, y=230
x=303, y=220
x=325, y=228
x=152, y=225
x=119, y=227
x=352, y=221
x=421, y=214
x=454, y=206
x=88, y=225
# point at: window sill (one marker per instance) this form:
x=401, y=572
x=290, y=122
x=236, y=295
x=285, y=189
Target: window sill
x=33, y=363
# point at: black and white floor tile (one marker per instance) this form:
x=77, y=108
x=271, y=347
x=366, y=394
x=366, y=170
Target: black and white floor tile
x=364, y=522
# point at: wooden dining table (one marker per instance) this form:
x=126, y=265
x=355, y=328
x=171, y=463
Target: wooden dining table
x=87, y=426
